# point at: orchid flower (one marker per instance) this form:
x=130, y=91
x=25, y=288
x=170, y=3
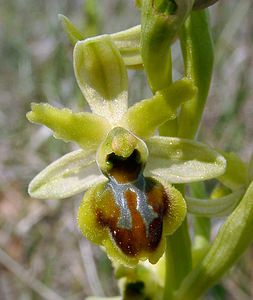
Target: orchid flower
x=130, y=205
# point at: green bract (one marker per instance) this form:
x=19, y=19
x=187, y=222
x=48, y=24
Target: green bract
x=233, y=238
x=131, y=205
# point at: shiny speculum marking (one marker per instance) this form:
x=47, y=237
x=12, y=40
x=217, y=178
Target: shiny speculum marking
x=134, y=214
x=138, y=188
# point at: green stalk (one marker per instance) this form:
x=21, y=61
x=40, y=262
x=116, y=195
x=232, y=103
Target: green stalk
x=161, y=22
x=196, y=45
x=197, y=49
x=178, y=259
x=201, y=225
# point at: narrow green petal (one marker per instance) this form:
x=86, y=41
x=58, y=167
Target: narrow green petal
x=214, y=207
x=73, y=173
x=86, y=129
x=72, y=32
x=144, y=117
x=182, y=160
x=102, y=76
x=128, y=43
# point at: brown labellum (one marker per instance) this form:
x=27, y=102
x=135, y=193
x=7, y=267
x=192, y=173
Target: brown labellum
x=134, y=213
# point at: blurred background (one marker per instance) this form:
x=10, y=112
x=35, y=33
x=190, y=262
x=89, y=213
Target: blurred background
x=42, y=254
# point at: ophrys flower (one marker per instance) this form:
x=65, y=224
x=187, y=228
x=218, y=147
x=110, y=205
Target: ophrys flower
x=130, y=206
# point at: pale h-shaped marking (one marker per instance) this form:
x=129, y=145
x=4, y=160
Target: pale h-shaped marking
x=139, y=188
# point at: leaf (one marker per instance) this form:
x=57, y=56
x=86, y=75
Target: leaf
x=71, y=174
x=234, y=236
x=181, y=160
x=102, y=76
x=146, y=116
x=84, y=128
x=214, y=207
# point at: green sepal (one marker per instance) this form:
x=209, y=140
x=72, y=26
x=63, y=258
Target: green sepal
x=234, y=236
x=181, y=160
x=128, y=42
x=71, y=174
x=146, y=116
x=214, y=207
x=86, y=129
x=74, y=35
x=236, y=172
x=160, y=27
x=102, y=76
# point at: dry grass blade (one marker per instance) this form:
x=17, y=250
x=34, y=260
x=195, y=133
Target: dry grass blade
x=26, y=277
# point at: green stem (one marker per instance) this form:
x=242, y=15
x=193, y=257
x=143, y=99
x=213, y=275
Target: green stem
x=197, y=49
x=196, y=45
x=201, y=225
x=178, y=257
